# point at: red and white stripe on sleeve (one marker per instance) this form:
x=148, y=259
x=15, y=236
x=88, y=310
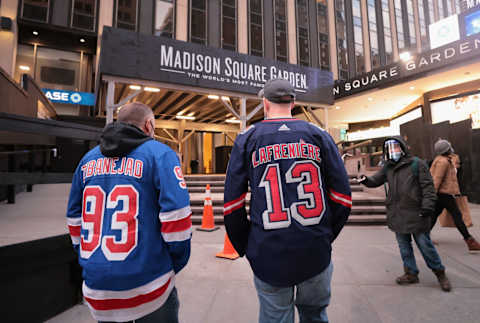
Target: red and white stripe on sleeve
x=176, y=224
x=343, y=199
x=74, y=227
x=234, y=205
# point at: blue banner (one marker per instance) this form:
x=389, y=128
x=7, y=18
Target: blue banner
x=70, y=97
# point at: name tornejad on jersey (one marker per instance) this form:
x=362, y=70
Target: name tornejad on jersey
x=108, y=166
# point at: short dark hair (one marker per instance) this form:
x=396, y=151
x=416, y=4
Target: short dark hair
x=135, y=113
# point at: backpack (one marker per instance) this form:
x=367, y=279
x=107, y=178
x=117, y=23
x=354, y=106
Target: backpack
x=414, y=166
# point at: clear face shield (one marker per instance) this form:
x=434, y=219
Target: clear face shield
x=393, y=150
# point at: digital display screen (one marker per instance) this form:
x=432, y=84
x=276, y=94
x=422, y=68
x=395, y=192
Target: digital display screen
x=472, y=23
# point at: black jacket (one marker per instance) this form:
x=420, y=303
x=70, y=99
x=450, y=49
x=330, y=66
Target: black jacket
x=411, y=196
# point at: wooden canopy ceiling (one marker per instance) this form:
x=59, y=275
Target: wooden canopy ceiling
x=166, y=104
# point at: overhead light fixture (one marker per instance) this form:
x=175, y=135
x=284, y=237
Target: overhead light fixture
x=82, y=40
x=225, y=98
x=337, y=107
x=190, y=114
x=412, y=88
x=370, y=99
x=213, y=97
x=185, y=117
x=24, y=68
x=35, y=32
x=151, y=89
x=405, y=56
x=135, y=87
x=232, y=120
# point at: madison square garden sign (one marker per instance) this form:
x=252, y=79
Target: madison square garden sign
x=144, y=57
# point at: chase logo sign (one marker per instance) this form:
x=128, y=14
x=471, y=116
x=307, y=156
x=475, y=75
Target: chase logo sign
x=70, y=97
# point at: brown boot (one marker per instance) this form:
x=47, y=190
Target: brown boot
x=473, y=245
x=443, y=280
x=407, y=278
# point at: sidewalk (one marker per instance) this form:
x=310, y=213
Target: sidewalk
x=366, y=261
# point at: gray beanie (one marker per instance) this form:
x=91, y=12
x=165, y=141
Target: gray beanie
x=442, y=146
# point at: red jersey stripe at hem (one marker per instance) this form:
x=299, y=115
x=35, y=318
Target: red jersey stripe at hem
x=113, y=304
x=177, y=226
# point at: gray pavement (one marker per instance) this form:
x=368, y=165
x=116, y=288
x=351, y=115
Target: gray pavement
x=366, y=261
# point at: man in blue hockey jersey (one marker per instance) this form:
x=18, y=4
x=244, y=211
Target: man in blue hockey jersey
x=300, y=201
x=129, y=219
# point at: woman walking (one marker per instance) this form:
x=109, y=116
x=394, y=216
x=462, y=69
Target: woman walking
x=444, y=173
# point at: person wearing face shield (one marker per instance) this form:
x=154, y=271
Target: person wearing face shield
x=444, y=173
x=410, y=205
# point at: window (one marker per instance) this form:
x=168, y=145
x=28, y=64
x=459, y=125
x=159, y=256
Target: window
x=57, y=69
x=303, y=46
x=372, y=29
x=431, y=11
x=441, y=12
x=25, y=62
x=127, y=14
x=341, y=30
x=35, y=10
x=256, y=27
x=164, y=18
x=399, y=22
x=449, y=8
x=83, y=14
x=322, y=21
x=229, y=25
x=281, y=43
x=358, y=37
x=198, y=21
x=423, y=26
x=387, y=32
x=411, y=24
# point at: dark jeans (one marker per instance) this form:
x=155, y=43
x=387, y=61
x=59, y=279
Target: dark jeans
x=167, y=313
x=426, y=247
x=446, y=201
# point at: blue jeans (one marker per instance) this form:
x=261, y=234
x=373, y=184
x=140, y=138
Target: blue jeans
x=427, y=249
x=167, y=313
x=312, y=299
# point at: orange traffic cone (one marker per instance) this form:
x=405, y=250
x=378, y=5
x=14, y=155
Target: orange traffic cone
x=208, y=223
x=228, y=250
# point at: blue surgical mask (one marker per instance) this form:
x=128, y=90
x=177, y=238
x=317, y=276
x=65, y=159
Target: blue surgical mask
x=395, y=156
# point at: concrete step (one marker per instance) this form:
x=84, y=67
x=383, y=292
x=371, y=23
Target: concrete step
x=220, y=189
x=356, y=210
x=352, y=219
x=204, y=183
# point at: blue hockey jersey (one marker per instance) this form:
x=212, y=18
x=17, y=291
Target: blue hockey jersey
x=300, y=199
x=129, y=219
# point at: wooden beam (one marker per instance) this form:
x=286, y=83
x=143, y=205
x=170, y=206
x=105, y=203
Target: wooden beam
x=230, y=108
x=170, y=100
x=309, y=118
x=165, y=138
x=228, y=136
x=314, y=116
x=197, y=126
x=174, y=107
x=170, y=135
x=188, y=136
x=255, y=111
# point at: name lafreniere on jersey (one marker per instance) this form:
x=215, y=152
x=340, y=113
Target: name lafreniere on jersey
x=113, y=166
x=292, y=150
